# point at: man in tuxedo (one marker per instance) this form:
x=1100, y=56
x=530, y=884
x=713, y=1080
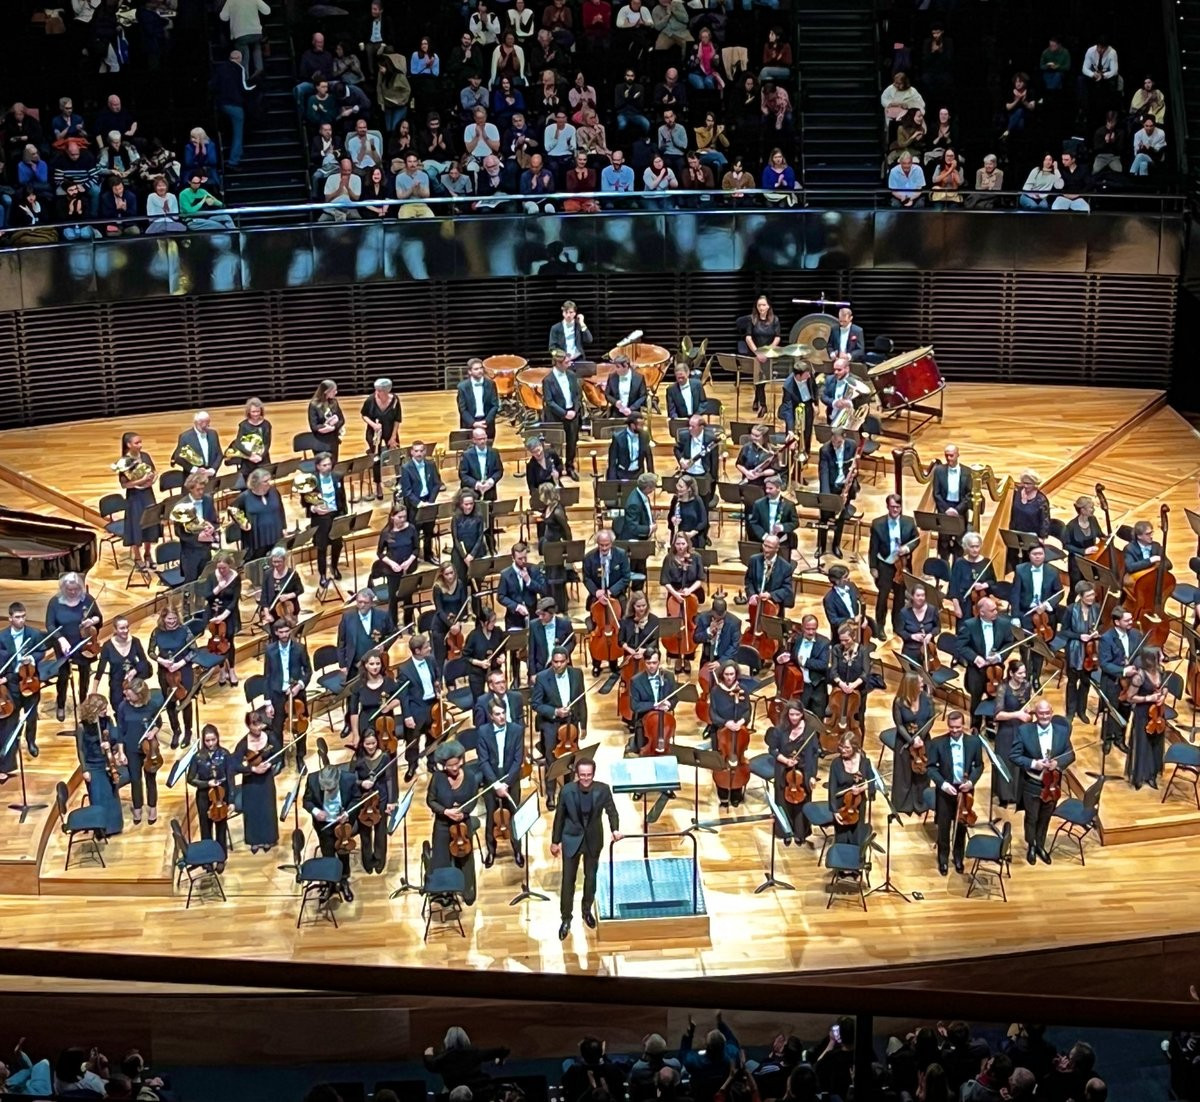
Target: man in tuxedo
x=843, y=601
x=204, y=442
x=833, y=467
x=327, y=795
x=773, y=515
x=420, y=484
x=798, y=399
x=480, y=467
x=1035, y=585
x=647, y=693
x=951, y=497
x=846, y=338
x=287, y=669
x=1118, y=648
x=625, y=390
x=769, y=574
x=981, y=641
x=498, y=692
x=562, y=404
x=21, y=643
x=718, y=632
x=838, y=391
x=1144, y=551
x=578, y=834
x=520, y=587
x=501, y=750
x=890, y=534
x=685, y=395
x=696, y=449
x=477, y=400
x=1043, y=744
x=810, y=655
x=548, y=633
x=416, y=702
x=630, y=451
x=330, y=504
x=637, y=518
x=955, y=765
x=359, y=630
x=606, y=573
x=557, y=695
x=570, y=335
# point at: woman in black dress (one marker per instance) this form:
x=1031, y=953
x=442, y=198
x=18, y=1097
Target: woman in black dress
x=687, y=514
x=761, y=331
x=729, y=709
x=912, y=715
x=265, y=518
x=1030, y=512
x=1080, y=537
x=221, y=593
x=382, y=415
x=681, y=577
x=326, y=421
x=479, y=652
x=211, y=767
x=1080, y=625
x=756, y=453
x=452, y=786
x=554, y=527
x=451, y=606
x=1012, y=709
x=279, y=598
x=468, y=536
x=137, y=720
x=542, y=467
x=851, y=769
x=397, y=551
x=73, y=609
x=251, y=447
x=638, y=629
x=260, y=814
x=792, y=745
x=850, y=667
x=98, y=733
x=136, y=474
x=123, y=657
x=172, y=650
x=1144, y=764
x=372, y=768
x=198, y=535
x=918, y=626
x=375, y=695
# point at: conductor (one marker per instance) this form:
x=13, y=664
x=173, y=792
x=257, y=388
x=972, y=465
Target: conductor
x=579, y=833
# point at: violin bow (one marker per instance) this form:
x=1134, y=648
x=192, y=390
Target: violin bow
x=366, y=799
x=384, y=703
x=14, y=657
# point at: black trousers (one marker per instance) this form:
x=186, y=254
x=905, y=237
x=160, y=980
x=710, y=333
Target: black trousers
x=321, y=527
x=373, y=840
x=838, y=521
x=393, y=587
x=1113, y=730
x=491, y=801
x=815, y=698
x=571, y=432
x=327, y=842
x=947, y=546
x=976, y=682
x=1079, y=687
x=946, y=817
x=1037, y=813
x=891, y=587
x=570, y=873
x=84, y=666
x=33, y=701
x=423, y=720
x=139, y=793
x=193, y=559
x=279, y=702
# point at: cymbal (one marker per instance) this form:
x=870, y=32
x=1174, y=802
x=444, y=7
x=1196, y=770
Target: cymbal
x=795, y=351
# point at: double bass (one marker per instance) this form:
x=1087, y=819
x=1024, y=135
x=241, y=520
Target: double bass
x=1145, y=593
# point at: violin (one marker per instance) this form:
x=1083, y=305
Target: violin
x=602, y=640
x=28, y=682
x=754, y=636
x=841, y=718
x=966, y=813
x=384, y=726
x=460, y=838
x=681, y=645
x=454, y=641
x=566, y=739
x=1042, y=624
x=370, y=814
x=298, y=715
x=1051, y=785
x=6, y=701
x=1091, y=655
x=111, y=766
x=218, y=637
x=218, y=803
x=501, y=822
x=659, y=731
x=343, y=838
x=152, y=758
x=1156, y=717
x=918, y=756
x=995, y=677
x=850, y=811
x=176, y=689
x=90, y=637
x=795, y=788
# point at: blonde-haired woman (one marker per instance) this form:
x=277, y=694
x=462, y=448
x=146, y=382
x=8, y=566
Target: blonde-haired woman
x=325, y=418
x=99, y=754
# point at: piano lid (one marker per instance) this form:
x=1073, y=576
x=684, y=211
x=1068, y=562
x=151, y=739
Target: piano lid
x=41, y=547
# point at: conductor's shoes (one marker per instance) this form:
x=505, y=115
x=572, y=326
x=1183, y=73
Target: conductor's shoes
x=564, y=931
x=958, y=866
x=1044, y=855
x=589, y=920
x=1031, y=856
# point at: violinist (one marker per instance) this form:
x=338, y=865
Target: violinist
x=680, y=579
x=21, y=645
x=1012, y=711
x=264, y=514
x=1035, y=586
x=501, y=751
x=1044, y=744
x=546, y=634
x=252, y=441
x=850, y=771
x=74, y=610
x=980, y=641
x=918, y=626
x=287, y=669
x=834, y=463
x=970, y=574
x=382, y=415
x=793, y=746
x=451, y=609
x=1119, y=646
x=360, y=630
x=134, y=716
x=955, y=766
x=1144, y=551
x=1144, y=764
x=397, y=555
x=687, y=515
x=479, y=655
x=850, y=667
x=323, y=506
x=809, y=654
x=843, y=601
x=606, y=573
x=578, y=834
x=951, y=497
x=171, y=649
x=729, y=706
x=139, y=496
x=498, y=692
x=124, y=657
x=325, y=418
x=468, y=535
x=196, y=546
x=543, y=467
x=477, y=399
x=327, y=795
x=773, y=515
x=912, y=715
x=630, y=451
x=99, y=757
x=639, y=630
x=453, y=786
x=1081, y=537
x=373, y=775
x=280, y=582
x=557, y=698
x=373, y=695
x=480, y=467
x=420, y=484
x=222, y=593
x=1030, y=512
x=891, y=534
x=685, y=395
x=554, y=527
x=417, y=700
x=210, y=768
x=1080, y=626
x=718, y=632
x=260, y=811
x=647, y=692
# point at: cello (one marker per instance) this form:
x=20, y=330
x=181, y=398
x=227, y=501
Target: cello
x=732, y=746
x=631, y=666
x=754, y=635
x=681, y=646
x=1146, y=592
x=658, y=728
x=602, y=639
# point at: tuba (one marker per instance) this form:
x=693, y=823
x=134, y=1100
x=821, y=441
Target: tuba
x=191, y=457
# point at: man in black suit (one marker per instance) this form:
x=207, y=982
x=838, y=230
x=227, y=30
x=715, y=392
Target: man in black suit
x=625, y=390
x=501, y=751
x=833, y=466
x=480, y=467
x=637, y=518
x=647, y=693
x=420, y=484
x=773, y=514
x=630, y=451
x=477, y=400
x=1119, y=646
x=20, y=644
x=203, y=445
x=361, y=628
x=578, y=833
x=562, y=404
x=327, y=795
x=287, y=669
x=846, y=338
x=570, y=335
x=810, y=655
x=843, y=601
x=1043, y=744
x=890, y=535
x=1035, y=586
x=1144, y=552
x=376, y=32
x=798, y=398
x=697, y=450
x=498, y=692
x=557, y=695
x=606, y=573
x=548, y=633
x=718, y=632
x=685, y=395
x=951, y=497
x=769, y=574
x=955, y=765
x=981, y=642
x=416, y=702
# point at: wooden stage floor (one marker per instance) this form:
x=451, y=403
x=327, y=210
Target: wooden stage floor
x=1074, y=437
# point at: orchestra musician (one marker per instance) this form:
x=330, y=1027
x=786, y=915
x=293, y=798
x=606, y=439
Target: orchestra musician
x=1041, y=745
x=729, y=707
x=773, y=515
x=756, y=459
x=981, y=641
x=196, y=546
x=639, y=630
x=287, y=669
x=501, y=752
x=850, y=666
x=918, y=626
x=1030, y=512
x=557, y=697
x=891, y=535
x=912, y=717
x=323, y=507
x=122, y=656
x=72, y=609
x=520, y=587
x=769, y=574
x=327, y=794
x=843, y=601
x=260, y=810
x=687, y=515
x=210, y=768
x=252, y=444
x=477, y=399
x=851, y=771
x=451, y=608
x=361, y=629
x=759, y=330
x=952, y=484
x=810, y=655
x=606, y=573
x=554, y=527
x=547, y=633
x=202, y=444
x=479, y=655
x=1144, y=763
x=222, y=593
x=1119, y=647
x=846, y=338
x=648, y=691
x=480, y=467
x=280, y=583
x=955, y=766
x=453, y=787
x=543, y=467
x=798, y=399
x=94, y=741
x=578, y=835
x=1143, y=551
x=468, y=534
x=696, y=449
x=1035, y=586
x=1012, y=710
x=22, y=644
x=374, y=696
x=417, y=700
x=970, y=574
x=326, y=419
x=137, y=720
x=792, y=745
x=264, y=512
x=420, y=484
x=685, y=395
x=498, y=692
x=839, y=390
x=562, y=398
x=372, y=772
x=630, y=451
x=381, y=413
x=833, y=465
x=1081, y=537
x=139, y=496
x=1080, y=626
x=570, y=335
x=718, y=632
x=625, y=390
x=397, y=552
x=172, y=648
x=637, y=517
x=680, y=577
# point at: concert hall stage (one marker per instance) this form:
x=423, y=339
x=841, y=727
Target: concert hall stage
x=1139, y=884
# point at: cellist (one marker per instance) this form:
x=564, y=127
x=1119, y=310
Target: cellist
x=850, y=667
x=681, y=578
x=648, y=691
x=606, y=573
x=730, y=710
x=557, y=698
x=770, y=575
x=1080, y=626
x=209, y=769
x=810, y=655
x=793, y=746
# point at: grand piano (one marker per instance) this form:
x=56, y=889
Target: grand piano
x=38, y=547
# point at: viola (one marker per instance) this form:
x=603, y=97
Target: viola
x=460, y=838
x=111, y=766
x=343, y=838
x=681, y=645
x=28, y=682
x=90, y=637
x=384, y=726
x=454, y=641
x=1127, y=690
x=501, y=822
x=566, y=739
x=1156, y=718
x=1051, y=785
x=966, y=812
x=298, y=715
x=218, y=637
x=218, y=803
x=659, y=731
x=850, y=811
x=152, y=758
x=995, y=677
x=795, y=789
x=1043, y=625
x=176, y=689
x=602, y=640
x=754, y=636
x=370, y=814
x=6, y=701
x=841, y=718
x=918, y=756
x=1091, y=655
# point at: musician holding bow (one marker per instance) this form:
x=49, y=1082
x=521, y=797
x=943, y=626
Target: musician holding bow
x=606, y=574
x=1035, y=588
x=557, y=698
x=955, y=766
x=971, y=576
x=892, y=538
x=424, y=687
x=287, y=669
x=501, y=750
x=1080, y=627
x=1143, y=552
x=328, y=794
x=361, y=629
x=648, y=691
x=810, y=655
x=792, y=745
x=769, y=575
x=1040, y=747
x=981, y=642
x=1119, y=647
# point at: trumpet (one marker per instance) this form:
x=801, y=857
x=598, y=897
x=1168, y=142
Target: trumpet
x=234, y=515
x=245, y=446
x=133, y=467
x=191, y=457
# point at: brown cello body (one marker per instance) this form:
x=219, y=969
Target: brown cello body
x=658, y=729
x=754, y=635
x=1145, y=593
x=841, y=718
x=681, y=645
x=602, y=639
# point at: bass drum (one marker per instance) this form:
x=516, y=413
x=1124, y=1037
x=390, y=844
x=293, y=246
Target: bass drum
x=813, y=329
x=529, y=387
x=503, y=371
x=905, y=379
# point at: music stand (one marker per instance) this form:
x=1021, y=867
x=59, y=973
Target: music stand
x=560, y=767
x=562, y=553
x=523, y=820
x=611, y=493
x=177, y=771
x=1020, y=543
x=604, y=427
x=698, y=757
x=784, y=825
x=829, y=504
x=999, y=766
x=399, y=817
x=1118, y=721
x=887, y=887
x=24, y=807
x=291, y=804
x=553, y=435
x=494, y=510
x=1097, y=573
x=942, y=525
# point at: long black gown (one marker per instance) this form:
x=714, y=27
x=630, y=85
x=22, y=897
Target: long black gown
x=440, y=797
x=1008, y=699
x=1145, y=761
x=260, y=813
x=907, y=787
